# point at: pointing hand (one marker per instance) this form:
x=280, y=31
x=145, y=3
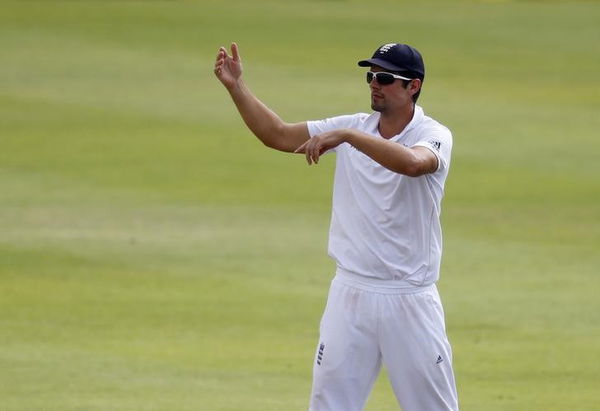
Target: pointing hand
x=228, y=69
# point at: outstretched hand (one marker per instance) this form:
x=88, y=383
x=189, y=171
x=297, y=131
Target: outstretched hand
x=228, y=69
x=316, y=146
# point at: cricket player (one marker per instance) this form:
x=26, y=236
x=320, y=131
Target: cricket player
x=385, y=236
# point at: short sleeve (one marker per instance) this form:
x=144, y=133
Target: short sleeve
x=439, y=141
x=335, y=123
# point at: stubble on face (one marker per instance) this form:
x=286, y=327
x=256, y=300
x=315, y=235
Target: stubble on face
x=377, y=102
x=375, y=106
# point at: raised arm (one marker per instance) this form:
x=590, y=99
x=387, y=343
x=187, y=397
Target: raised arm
x=262, y=121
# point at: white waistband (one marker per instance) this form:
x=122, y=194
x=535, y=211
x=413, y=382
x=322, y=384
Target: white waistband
x=378, y=285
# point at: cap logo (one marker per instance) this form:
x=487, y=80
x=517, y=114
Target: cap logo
x=386, y=47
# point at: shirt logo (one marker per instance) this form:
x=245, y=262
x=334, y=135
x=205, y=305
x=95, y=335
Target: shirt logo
x=320, y=355
x=435, y=144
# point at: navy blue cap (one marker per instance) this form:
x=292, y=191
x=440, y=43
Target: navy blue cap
x=397, y=57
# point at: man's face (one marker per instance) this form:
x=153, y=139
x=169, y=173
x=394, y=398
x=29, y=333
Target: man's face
x=389, y=97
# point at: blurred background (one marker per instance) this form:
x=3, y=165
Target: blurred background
x=155, y=256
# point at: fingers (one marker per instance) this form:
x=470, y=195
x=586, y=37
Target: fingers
x=217, y=69
x=235, y=52
x=301, y=148
x=305, y=148
x=312, y=150
x=220, y=60
x=223, y=57
x=222, y=53
x=313, y=153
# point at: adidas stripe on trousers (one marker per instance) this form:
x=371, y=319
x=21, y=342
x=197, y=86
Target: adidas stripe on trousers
x=368, y=323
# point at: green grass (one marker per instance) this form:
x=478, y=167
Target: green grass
x=154, y=256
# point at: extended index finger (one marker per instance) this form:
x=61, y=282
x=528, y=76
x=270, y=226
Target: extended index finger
x=302, y=148
x=235, y=52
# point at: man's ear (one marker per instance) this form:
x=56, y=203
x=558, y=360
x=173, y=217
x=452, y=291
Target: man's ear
x=414, y=86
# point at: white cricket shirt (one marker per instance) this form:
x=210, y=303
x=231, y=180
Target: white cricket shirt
x=386, y=225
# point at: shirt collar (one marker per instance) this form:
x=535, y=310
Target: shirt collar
x=415, y=121
x=417, y=118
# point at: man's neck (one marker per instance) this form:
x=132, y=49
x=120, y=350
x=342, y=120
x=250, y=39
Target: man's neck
x=392, y=124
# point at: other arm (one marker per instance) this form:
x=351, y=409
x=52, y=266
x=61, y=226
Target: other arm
x=262, y=121
x=410, y=161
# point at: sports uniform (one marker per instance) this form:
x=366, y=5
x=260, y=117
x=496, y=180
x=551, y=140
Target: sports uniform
x=383, y=305
x=385, y=236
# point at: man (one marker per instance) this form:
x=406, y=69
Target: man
x=385, y=236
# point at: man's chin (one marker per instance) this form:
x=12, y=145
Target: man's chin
x=376, y=107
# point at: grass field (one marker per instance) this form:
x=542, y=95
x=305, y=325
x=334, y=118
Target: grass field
x=154, y=256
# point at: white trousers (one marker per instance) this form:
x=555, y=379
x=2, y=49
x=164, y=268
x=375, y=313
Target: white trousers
x=367, y=323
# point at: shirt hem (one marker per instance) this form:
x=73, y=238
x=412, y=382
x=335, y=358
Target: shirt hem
x=379, y=285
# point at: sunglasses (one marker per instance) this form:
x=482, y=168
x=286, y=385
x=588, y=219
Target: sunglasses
x=384, y=78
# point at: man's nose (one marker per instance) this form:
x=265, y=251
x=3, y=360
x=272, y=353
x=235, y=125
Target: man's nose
x=374, y=84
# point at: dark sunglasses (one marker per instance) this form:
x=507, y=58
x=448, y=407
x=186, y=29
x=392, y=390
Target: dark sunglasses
x=384, y=78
